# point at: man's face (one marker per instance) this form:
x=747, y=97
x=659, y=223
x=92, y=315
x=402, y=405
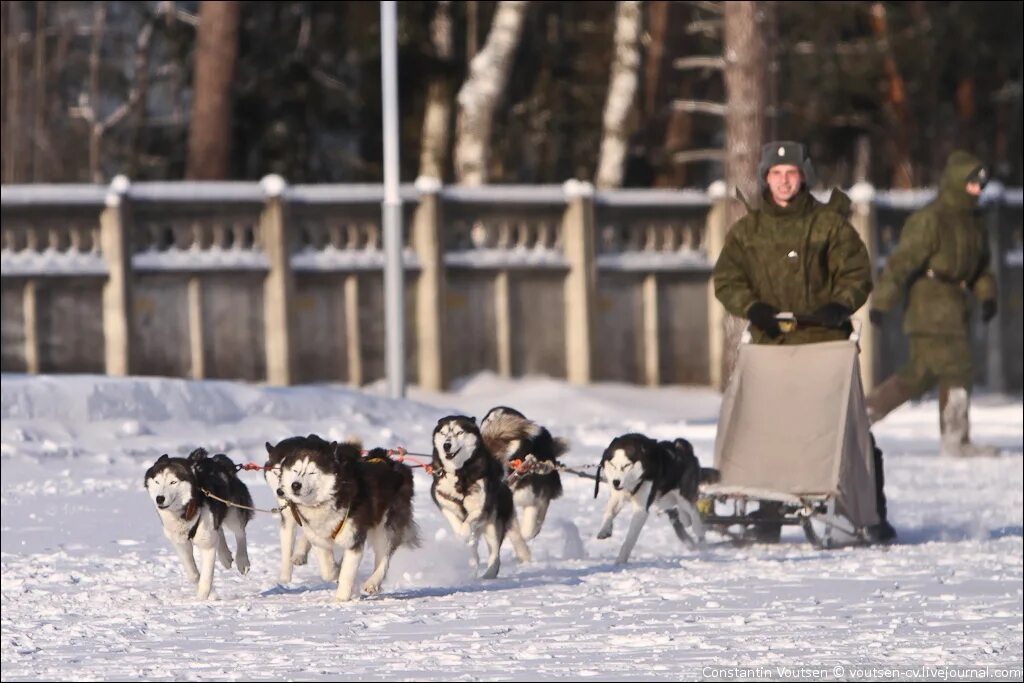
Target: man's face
x=784, y=182
x=974, y=189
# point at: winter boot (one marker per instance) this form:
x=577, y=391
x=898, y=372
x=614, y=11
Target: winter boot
x=887, y=397
x=881, y=533
x=954, y=424
x=765, y=533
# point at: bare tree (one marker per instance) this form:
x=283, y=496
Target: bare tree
x=88, y=107
x=39, y=134
x=745, y=81
x=479, y=95
x=209, y=139
x=745, y=87
x=896, y=101
x=13, y=96
x=436, y=129
x=625, y=75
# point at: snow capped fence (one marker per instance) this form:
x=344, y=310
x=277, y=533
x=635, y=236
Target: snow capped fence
x=265, y=281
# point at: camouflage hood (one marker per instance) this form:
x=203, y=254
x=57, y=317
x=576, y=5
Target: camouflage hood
x=952, y=187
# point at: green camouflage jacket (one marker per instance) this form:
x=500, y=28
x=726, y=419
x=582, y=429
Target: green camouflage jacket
x=948, y=239
x=796, y=258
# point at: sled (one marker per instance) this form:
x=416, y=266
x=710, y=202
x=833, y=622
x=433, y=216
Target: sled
x=794, y=430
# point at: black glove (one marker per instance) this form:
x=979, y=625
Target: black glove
x=832, y=315
x=876, y=316
x=988, y=309
x=763, y=316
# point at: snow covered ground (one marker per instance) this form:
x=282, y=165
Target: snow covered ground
x=92, y=590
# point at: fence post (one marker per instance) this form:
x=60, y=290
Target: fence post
x=503, y=323
x=995, y=370
x=30, y=312
x=652, y=331
x=353, y=339
x=581, y=282
x=279, y=285
x=863, y=219
x=431, y=288
x=115, y=244
x=195, y=327
x=715, y=229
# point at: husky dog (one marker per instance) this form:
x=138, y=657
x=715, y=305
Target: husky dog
x=293, y=551
x=469, y=488
x=665, y=474
x=179, y=488
x=510, y=436
x=343, y=499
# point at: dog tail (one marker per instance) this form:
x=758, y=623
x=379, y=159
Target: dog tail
x=502, y=428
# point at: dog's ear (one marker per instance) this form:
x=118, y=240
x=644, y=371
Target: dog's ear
x=473, y=420
x=197, y=454
x=270, y=449
x=163, y=457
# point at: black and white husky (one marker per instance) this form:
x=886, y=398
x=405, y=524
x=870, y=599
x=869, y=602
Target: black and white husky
x=294, y=551
x=178, y=488
x=343, y=499
x=470, y=490
x=510, y=436
x=648, y=472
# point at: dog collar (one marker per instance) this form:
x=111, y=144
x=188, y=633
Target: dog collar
x=341, y=525
x=453, y=499
x=295, y=512
x=190, y=511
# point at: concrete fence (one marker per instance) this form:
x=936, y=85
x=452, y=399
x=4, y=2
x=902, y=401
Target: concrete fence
x=284, y=284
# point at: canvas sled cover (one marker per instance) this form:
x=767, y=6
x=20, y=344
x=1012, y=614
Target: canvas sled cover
x=793, y=421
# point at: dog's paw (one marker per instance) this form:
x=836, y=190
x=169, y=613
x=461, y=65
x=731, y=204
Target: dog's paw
x=226, y=561
x=192, y=578
x=284, y=578
x=243, y=565
x=343, y=597
x=604, y=533
x=371, y=587
x=299, y=559
x=491, y=573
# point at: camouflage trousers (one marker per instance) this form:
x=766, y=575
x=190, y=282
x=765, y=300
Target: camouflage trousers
x=934, y=359
x=942, y=360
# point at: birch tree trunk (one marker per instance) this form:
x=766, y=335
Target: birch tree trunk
x=209, y=136
x=436, y=133
x=625, y=74
x=479, y=95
